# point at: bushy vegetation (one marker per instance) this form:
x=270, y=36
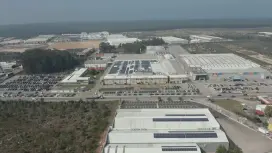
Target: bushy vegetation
x=222, y=149
x=47, y=61
x=43, y=127
x=268, y=111
x=137, y=47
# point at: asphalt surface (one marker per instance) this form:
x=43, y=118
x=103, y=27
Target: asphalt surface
x=248, y=140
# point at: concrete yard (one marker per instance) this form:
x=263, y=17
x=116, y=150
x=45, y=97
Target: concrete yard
x=248, y=140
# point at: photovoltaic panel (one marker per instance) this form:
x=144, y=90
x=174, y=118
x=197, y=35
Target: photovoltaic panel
x=185, y=135
x=179, y=119
x=178, y=146
x=185, y=115
x=179, y=149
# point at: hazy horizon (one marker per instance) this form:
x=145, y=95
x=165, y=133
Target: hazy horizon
x=40, y=11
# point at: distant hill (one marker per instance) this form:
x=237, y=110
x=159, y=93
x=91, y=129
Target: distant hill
x=28, y=30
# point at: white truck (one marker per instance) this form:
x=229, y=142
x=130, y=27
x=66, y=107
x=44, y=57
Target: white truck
x=263, y=130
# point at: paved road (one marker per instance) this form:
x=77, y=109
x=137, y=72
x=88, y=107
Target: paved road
x=247, y=139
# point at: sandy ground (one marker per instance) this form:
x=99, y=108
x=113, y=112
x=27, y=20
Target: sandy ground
x=248, y=140
x=74, y=45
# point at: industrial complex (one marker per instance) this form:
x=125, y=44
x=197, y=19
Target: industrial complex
x=76, y=77
x=204, y=66
x=166, y=129
x=144, y=69
x=205, y=38
x=174, y=40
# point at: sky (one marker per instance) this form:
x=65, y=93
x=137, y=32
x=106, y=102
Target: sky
x=42, y=11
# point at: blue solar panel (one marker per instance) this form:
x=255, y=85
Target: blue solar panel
x=179, y=149
x=169, y=135
x=185, y=115
x=179, y=119
x=185, y=135
x=178, y=146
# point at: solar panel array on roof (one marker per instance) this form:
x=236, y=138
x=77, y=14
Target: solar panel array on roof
x=179, y=119
x=179, y=149
x=185, y=135
x=185, y=115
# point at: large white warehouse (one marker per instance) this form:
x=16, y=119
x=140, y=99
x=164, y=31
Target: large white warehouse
x=156, y=130
x=117, y=41
x=152, y=148
x=174, y=40
x=204, y=38
x=207, y=140
x=143, y=69
x=222, y=64
x=174, y=119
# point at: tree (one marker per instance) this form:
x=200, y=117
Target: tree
x=159, y=99
x=47, y=61
x=235, y=150
x=181, y=99
x=268, y=111
x=169, y=99
x=221, y=149
x=105, y=47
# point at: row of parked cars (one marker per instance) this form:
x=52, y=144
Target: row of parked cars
x=32, y=82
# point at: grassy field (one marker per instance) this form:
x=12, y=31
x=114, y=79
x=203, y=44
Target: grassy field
x=231, y=105
x=237, y=108
x=76, y=126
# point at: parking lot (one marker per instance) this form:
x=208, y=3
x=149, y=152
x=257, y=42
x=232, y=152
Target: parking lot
x=240, y=87
x=183, y=89
x=158, y=104
x=35, y=94
x=30, y=83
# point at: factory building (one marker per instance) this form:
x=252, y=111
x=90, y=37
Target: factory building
x=85, y=52
x=150, y=148
x=221, y=65
x=76, y=77
x=265, y=34
x=41, y=39
x=153, y=50
x=117, y=41
x=204, y=38
x=94, y=35
x=174, y=40
x=179, y=128
x=207, y=140
x=7, y=66
x=189, y=119
x=143, y=69
x=12, y=42
x=116, y=36
x=98, y=65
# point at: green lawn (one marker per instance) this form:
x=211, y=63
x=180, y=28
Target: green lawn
x=231, y=105
x=236, y=107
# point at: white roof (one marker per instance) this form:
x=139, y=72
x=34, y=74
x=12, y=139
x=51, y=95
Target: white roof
x=40, y=38
x=165, y=136
x=75, y=76
x=150, y=148
x=218, y=62
x=107, y=77
x=117, y=41
x=13, y=41
x=171, y=39
x=114, y=36
x=204, y=37
x=143, y=119
x=266, y=33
